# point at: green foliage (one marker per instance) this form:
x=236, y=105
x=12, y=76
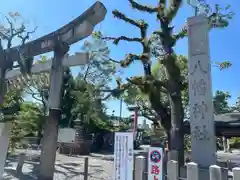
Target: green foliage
x=223, y=65
x=88, y=107
x=171, y=70
x=219, y=17
x=12, y=109
x=81, y=94
x=134, y=96
x=187, y=142
x=68, y=99
x=38, y=87
x=11, y=105
x=27, y=122
x=87, y=92
x=220, y=102
x=100, y=69
x=160, y=45
x=236, y=107
x=235, y=140
x=30, y=118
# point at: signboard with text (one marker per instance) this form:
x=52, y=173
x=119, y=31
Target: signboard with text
x=203, y=139
x=155, y=163
x=123, y=156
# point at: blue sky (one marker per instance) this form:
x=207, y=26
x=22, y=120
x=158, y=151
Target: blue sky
x=49, y=15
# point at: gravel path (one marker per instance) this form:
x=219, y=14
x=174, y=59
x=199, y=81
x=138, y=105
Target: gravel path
x=66, y=168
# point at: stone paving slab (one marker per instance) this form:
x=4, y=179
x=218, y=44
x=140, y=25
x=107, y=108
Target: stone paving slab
x=66, y=168
x=71, y=168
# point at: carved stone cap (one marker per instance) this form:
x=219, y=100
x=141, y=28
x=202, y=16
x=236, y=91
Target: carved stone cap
x=197, y=20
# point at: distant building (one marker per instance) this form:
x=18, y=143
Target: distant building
x=116, y=120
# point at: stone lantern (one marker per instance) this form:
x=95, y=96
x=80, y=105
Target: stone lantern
x=80, y=138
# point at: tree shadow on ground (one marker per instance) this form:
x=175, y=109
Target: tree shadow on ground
x=102, y=157
x=13, y=173
x=67, y=169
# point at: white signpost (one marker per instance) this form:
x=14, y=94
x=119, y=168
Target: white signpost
x=123, y=156
x=155, y=163
x=203, y=140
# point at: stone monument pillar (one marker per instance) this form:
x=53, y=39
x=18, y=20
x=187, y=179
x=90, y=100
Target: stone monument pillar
x=81, y=138
x=200, y=93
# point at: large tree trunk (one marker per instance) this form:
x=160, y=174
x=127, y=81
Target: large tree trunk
x=49, y=146
x=40, y=130
x=39, y=136
x=176, y=132
x=168, y=144
x=177, y=113
x=173, y=75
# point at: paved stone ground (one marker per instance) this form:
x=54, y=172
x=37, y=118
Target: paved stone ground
x=66, y=168
x=71, y=168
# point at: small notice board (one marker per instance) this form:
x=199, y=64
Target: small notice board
x=155, y=163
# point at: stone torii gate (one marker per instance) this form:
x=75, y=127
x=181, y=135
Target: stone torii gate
x=59, y=42
x=68, y=61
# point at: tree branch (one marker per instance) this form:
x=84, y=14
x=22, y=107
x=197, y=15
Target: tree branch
x=140, y=81
x=26, y=37
x=163, y=84
x=139, y=24
x=106, y=97
x=112, y=60
x=4, y=36
x=10, y=36
x=145, y=56
x=143, y=8
x=215, y=18
x=16, y=32
x=86, y=72
x=136, y=80
x=181, y=34
x=116, y=40
x=148, y=117
x=173, y=9
x=30, y=91
x=130, y=58
x=34, y=96
x=149, y=113
x=117, y=91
